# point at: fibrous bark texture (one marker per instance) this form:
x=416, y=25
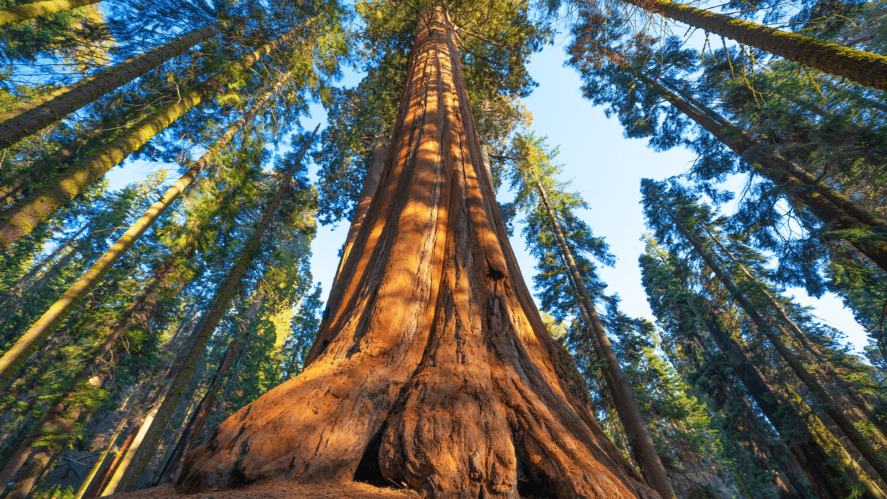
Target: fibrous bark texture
x=432, y=367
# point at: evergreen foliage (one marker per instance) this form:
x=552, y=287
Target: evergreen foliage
x=743, y=392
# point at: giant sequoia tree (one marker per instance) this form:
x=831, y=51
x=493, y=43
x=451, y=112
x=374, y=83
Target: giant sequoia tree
x=432, y=367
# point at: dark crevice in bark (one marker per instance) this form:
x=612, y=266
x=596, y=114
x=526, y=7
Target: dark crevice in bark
x=532, y=483
x=368, y=470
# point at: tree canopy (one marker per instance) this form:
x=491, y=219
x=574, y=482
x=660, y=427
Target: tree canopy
x=143, y=320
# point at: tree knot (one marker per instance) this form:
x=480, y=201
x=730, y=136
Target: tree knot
x=495, y=274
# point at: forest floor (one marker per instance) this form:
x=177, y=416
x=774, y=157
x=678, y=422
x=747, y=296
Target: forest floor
x=351, y=490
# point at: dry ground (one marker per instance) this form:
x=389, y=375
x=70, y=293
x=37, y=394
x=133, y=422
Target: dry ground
x=351, y=490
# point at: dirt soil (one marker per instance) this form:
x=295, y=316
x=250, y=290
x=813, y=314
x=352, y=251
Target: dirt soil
x=349, y=490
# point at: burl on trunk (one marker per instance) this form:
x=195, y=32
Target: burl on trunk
x=432, y=367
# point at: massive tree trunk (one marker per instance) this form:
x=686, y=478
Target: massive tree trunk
x=862, y=67
x=432, y=367
x=367, y=193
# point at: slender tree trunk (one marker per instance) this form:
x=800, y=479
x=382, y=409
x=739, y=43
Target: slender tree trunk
x=15, y=357
x=35, y=471
x=10, y=309
x=832, y=208
x=823, y=460
x=432, y=367
x=862, y=67
x=212, y=318
x=769, y=162
x=58, y=419
x=116, y=471
x=12, y=301
x=28, y=179
x=224, y=398
x=764, y=444
x=826, y=466
x=36, y=9
x=858, y=406
x=99, y=483
x=831, y=408
x=137, y=436
x=807, y=450
x=32, y=117
x=97, y=466
x=60, y=416
x=26, y=450
x=174, y=461
x=43, y=202
x=23, y=284
x=37, y=172
x=626, y=407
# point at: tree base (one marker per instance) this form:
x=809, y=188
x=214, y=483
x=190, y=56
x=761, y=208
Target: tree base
x=288, y=490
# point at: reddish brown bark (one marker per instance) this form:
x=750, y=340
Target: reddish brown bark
x=433, y=367
x=367, y=193
x=96, y=488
